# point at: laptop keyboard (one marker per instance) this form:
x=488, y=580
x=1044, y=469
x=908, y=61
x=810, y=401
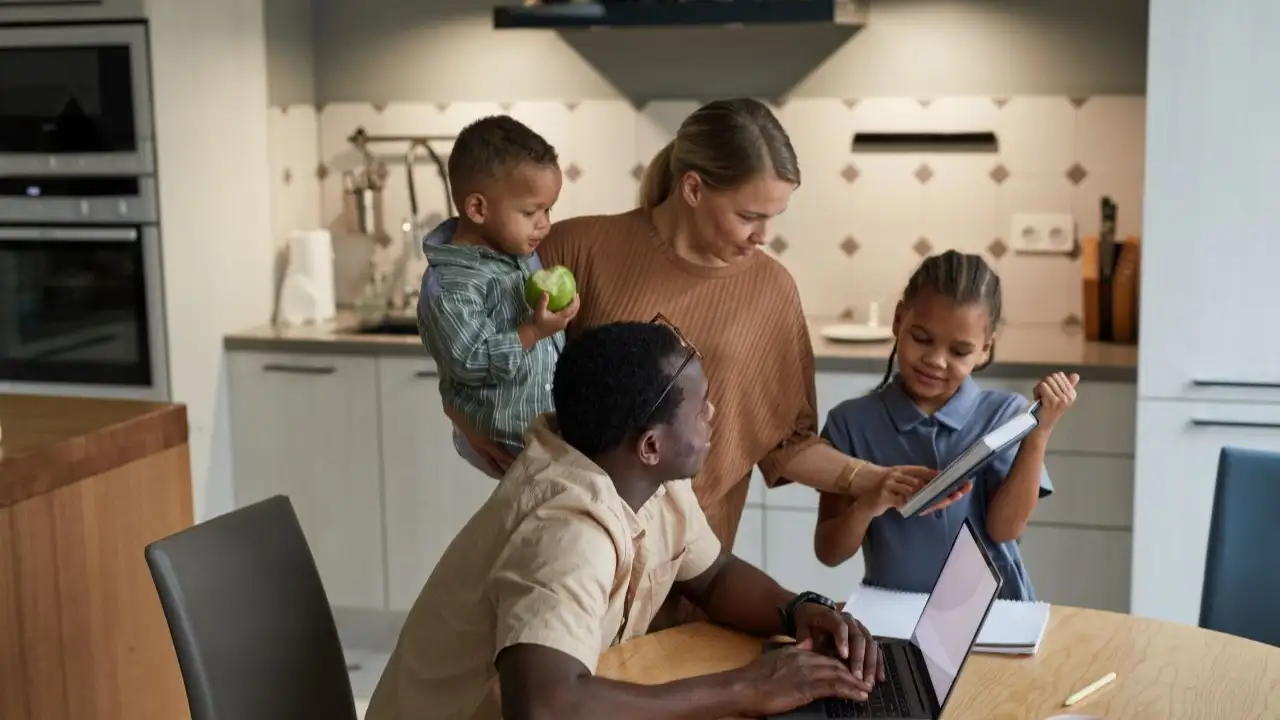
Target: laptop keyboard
x=887, y=700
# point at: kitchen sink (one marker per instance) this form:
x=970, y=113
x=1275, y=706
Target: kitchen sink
x=390, y=326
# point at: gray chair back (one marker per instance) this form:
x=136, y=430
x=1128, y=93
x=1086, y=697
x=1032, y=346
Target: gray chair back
x=1241, y=594
x=250, y=620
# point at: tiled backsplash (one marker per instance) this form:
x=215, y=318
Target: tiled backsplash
x=854, y=231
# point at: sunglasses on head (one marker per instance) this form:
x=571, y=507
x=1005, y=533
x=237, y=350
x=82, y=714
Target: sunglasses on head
x=661, y=319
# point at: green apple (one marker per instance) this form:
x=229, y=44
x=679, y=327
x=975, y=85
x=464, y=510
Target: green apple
x=557, y=282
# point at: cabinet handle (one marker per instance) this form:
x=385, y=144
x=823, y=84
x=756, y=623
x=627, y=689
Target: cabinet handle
x=426, y=374
x=300, y=369
x=1211, y=382
x=1210, y=422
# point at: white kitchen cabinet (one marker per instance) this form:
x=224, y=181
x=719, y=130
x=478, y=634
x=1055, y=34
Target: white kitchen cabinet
x=1084, y=568
x=749, y=544
x=833, y=388
x=1088, y=490
x=1177, y=466
x=1210, y=251
x=1101, y=421
x=789, y=556
x=431, y=493
x=306, y=426
x=757, y=490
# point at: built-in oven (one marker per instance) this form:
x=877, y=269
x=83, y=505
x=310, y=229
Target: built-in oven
x=75, y=100
x=81, y=297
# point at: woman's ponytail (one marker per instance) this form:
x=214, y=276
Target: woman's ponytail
x=658, y=181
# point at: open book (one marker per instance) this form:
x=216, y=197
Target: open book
x=1011, y=628
x=972, y=460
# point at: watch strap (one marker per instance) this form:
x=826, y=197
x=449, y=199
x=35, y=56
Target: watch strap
x=788, y=612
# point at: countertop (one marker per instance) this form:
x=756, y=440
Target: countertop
x=1024, y=350
x=49, y=442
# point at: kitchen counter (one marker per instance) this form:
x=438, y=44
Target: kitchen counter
x=49, y=442
x=85, y=486
x=1022, y=350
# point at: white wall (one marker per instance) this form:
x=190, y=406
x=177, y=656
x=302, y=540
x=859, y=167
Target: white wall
x=209, y=75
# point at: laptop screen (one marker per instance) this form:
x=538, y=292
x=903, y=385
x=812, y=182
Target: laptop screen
x=955, y=610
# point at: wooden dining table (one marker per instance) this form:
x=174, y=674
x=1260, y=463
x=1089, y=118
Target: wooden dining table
x=1163, y=671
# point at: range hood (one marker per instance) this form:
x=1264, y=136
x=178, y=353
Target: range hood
x=679, y=13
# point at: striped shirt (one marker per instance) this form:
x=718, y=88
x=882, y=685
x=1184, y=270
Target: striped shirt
x=472, y=304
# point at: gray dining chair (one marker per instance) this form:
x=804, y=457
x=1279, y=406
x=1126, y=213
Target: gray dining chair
x=250, y=620
x=1241, y=576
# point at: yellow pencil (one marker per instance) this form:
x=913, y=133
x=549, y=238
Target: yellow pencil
x=1090, y=689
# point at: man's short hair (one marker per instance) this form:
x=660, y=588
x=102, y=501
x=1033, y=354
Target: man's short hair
x=607, y=380
x=490, y=146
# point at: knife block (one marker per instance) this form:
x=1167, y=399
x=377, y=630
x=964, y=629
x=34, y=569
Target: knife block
x=1122, y=325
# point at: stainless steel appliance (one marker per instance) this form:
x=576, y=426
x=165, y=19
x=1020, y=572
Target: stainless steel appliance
x=81, y=295
x=81, y=300
x=75, y=100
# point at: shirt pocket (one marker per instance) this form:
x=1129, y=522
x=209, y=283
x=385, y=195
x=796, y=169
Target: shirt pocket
x=657, y=584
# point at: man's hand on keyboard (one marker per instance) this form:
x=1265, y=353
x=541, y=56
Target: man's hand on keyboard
x=852, y=641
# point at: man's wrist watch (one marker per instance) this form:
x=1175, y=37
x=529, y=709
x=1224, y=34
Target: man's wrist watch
x=788, y=612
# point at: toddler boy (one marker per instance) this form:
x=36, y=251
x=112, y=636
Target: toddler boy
x=495, y=355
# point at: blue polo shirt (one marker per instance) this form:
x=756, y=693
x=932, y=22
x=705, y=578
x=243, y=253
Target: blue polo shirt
x=886, y=428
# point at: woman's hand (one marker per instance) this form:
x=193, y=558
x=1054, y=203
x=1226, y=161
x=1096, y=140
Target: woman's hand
x=894, y=487
x=493, y=454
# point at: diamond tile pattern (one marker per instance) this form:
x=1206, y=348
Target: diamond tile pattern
x=856, y=211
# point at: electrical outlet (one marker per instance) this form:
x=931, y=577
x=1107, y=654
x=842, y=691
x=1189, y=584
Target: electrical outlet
x=1042, y=233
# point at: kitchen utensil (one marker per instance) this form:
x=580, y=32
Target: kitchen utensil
x=1106, y=267
x=364, y=189
x=855, y=333
x=1125, y=293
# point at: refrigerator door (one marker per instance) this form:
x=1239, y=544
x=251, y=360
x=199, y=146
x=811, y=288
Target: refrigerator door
x=1178, y=444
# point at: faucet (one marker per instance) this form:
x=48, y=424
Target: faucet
x=400, y=292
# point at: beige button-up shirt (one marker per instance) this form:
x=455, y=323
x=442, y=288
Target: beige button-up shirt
x=554, y=558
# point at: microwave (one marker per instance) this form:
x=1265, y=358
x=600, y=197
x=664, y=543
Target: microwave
x=75, y=100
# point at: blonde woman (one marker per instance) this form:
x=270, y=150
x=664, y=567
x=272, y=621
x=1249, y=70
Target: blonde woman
x=691, y=252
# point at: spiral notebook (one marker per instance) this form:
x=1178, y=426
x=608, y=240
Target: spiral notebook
x=1012, y=628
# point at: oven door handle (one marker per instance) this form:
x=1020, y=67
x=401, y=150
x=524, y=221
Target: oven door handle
x=81, y=234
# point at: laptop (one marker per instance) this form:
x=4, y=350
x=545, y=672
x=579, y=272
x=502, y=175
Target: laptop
x=921, y=673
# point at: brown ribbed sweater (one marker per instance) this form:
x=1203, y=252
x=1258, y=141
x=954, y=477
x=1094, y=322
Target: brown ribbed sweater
x=745, y=319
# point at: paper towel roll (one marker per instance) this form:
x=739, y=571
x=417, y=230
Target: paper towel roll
x=309, y=295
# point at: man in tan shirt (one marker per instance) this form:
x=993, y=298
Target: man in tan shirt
x=577, y=548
